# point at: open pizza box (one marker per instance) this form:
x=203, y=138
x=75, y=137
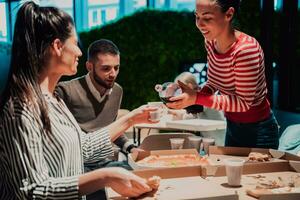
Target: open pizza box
x=133, y=158
x=264, y=181
x=218, y=153
x=181, y=183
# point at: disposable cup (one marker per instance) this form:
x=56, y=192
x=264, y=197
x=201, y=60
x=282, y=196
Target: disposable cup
x=195, y=142
x=207, y=142
x=176, y=143
x=234, y=170
x=156, y=115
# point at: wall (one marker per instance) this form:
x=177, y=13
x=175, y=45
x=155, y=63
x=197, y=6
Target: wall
x=4, y=63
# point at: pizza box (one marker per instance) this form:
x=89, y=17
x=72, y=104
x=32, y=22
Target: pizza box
x=218, y=153
x=192, y=183
x=197, y=124
x=180, y=183
x=266, y=174
x=244, y=151
x=134, y=157
x=264, y=167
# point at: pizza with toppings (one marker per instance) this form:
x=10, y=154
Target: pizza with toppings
x=258, y=157
x=278, y=186
x=179, y=160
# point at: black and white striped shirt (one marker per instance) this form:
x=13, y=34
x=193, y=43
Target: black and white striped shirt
x=38, y=165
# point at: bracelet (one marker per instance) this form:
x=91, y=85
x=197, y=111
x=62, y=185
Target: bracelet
x=128, y=149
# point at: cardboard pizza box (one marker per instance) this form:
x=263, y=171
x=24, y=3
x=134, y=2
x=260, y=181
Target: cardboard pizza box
x=218, y=153
x=266, y=167
x=265, y=173
x=192, y=183
x=134, y=157
x=244, y=151
x=181, y=183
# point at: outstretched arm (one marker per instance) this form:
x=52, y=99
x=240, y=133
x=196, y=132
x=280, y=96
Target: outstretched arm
x=137, y=116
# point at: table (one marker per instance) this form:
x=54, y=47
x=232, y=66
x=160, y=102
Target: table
x=197, y=125
x=179, y=125
x=138, y=128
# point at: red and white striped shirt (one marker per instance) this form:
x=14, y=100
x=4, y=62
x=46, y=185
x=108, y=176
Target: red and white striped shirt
x=239, y=76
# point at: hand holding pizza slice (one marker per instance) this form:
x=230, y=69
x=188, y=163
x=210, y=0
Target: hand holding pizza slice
x=153, y=182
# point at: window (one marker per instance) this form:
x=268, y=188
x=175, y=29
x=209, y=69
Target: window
x=103, y=2
x=95, y=16
x=277, y=4
x=103, y=16
x=177, y=5
x=186, y=5
x=3, y=23
x=66, y=5
x=101, y=12
x=111, y=14
x=139, y=4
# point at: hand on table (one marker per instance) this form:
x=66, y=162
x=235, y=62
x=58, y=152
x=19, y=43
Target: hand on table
x=126, y=183
x=136, y=150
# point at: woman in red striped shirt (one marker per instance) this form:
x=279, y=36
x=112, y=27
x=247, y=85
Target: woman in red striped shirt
x=236, y=78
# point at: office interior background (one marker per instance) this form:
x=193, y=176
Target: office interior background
x=137, y=25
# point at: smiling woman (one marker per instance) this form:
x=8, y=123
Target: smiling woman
x=236, y=80
x=42, y=146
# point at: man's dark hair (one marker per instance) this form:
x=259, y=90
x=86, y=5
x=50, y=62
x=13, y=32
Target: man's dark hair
x=102, y=46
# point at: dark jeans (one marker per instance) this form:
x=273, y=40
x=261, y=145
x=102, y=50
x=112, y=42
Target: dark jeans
x=263, y=134
x=100, y=194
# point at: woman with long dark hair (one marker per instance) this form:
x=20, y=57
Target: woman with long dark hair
x=42, y=148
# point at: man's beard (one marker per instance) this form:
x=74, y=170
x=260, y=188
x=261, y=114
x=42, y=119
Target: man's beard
x=102, y=83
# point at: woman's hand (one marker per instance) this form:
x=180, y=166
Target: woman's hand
x=136, y=150
x=187, y=98
x=126, y=183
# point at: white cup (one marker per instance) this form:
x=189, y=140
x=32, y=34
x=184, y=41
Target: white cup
x=156, y=115
x=195, y=142
x=206, y=143
x=234, y=170
x=176, y=143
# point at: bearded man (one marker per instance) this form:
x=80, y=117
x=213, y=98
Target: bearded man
x=94, y=99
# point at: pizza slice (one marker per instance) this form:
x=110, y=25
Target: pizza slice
x=279, y=186
x=154, y=182
x=259, y=157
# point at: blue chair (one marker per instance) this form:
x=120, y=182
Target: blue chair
x=290, y=139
